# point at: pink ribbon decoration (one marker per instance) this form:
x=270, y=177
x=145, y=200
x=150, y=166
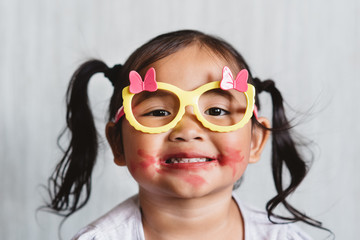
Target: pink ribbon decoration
x=119, y=114
x=137, y=85
x=228, y=82
x=255, y=112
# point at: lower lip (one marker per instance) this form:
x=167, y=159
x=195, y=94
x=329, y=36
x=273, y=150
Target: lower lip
x=193, y=165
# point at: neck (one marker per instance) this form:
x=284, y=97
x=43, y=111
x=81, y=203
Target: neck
x=209, y=217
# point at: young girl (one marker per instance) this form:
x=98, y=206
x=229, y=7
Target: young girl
x=183, y=120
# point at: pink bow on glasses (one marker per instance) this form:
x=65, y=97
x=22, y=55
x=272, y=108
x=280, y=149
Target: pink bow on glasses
x=228, y=82
x=240, y=83
x=137, y=85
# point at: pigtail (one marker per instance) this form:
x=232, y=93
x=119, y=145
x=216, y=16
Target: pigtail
x=284, y=154
x=72, y=175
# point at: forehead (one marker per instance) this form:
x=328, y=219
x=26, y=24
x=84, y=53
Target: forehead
x=191, y=67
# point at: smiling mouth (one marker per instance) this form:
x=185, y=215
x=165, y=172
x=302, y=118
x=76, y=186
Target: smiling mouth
x=187, y=160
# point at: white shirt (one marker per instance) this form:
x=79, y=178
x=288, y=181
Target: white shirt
x=124, y=222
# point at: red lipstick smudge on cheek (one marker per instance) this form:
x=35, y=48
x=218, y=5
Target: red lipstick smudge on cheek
x=148, y=160
x=195, y=180
x=231, y=158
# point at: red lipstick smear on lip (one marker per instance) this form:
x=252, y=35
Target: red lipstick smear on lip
x=231, y=158
x=150, y=160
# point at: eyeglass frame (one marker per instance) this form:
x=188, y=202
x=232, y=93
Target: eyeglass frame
x=186, y=98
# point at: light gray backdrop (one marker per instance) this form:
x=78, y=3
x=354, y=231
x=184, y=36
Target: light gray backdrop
x=311, y=48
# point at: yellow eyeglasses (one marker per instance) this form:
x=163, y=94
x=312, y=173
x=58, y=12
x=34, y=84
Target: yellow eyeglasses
x=155, y=107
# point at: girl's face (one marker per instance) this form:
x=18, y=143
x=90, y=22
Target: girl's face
x=189, y=160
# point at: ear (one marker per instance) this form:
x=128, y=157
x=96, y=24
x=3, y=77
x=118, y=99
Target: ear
x=258, y=139
x=115, y=142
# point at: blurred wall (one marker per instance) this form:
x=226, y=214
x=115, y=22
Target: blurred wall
x=311, y=49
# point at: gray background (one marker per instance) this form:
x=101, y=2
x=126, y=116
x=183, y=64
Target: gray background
x=311, y=48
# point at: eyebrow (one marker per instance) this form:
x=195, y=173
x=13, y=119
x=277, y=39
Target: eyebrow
x=221, y=92
x=144, y=95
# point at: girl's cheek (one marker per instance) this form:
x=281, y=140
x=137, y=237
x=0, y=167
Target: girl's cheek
x=234, y=159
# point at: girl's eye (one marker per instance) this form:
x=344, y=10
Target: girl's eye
x=158, y=113
x=216, y=111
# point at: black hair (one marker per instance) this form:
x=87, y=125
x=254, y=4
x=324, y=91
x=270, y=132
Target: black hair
x=69, y=186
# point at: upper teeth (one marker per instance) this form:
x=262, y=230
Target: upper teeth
x=186, y=160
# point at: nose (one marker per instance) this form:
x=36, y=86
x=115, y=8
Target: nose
x=187, y=129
